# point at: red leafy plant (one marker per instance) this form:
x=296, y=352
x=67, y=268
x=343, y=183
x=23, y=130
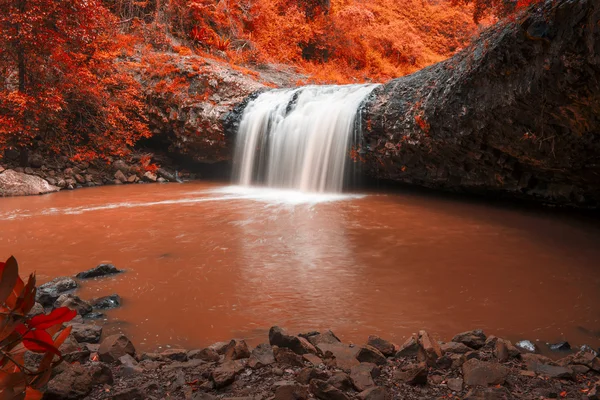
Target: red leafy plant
x=20, y=333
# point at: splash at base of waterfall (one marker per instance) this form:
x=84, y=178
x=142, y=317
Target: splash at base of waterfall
x=299, y=138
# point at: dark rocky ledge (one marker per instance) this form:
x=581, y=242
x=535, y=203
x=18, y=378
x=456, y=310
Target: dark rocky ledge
x=515, y=114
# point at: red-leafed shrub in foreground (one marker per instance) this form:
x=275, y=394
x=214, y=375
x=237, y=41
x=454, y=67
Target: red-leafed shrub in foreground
x=20, y=333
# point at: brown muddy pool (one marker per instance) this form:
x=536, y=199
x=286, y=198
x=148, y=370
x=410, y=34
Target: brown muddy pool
x=207, y=262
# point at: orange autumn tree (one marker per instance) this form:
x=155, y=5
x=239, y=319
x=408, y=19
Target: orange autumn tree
x=60, y=82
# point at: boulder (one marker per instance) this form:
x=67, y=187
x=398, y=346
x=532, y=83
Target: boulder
x=207, y=354
x=100, y=270
x=325, y=391
x=291, y=392
x=286, y=356
x=368, y=354
x=312, y=359
x=455, y=384
x=107, y=302
x=308, y=374
x=341, y=381
x=299, y=345
x=47, y=293
x=120, y=176
x=362, y=376
x=345, y=356
x=77, y=381
x=327, y=337
x=74, y=303
x=455, y=347
x=410, y=348
x=386, y=348
x=483, y=373
x=86, y=333
x=261, y=356
x=114, y=347
x=237, y=350
x=14, y=183
x=375, y=393
x=150, y=177
x=413, y=374
x=526, y=346
x=429, y=349
x=219, y=347
x=224, y=375
x=474, y=339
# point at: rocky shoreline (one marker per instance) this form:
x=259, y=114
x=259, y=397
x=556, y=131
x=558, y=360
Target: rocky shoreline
x=46, y=174
x=472, y=365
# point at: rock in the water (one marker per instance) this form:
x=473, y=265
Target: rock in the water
x=94, y=315
x=207, y=354
x=482, y=373
x=291, y=392
x=410, y=348
x=100, y=270
x=86, y=333
x=386, y=348
x=325, y=391
x=375, y=393
x=299, y=345
x=526, y=345
x=77, y=381
x=455, y=347
x=237, y=350
x=114, y=347
x=413, y=374
x=455, y=384
x=261, y=356
x=368, y=354
x=474, y=339
x=74, y=303
x=107, y=302
x=14, y=183
x=493, y=393
x=429, y=349
x=362, y=376
x=560, y=346
x=47, y=293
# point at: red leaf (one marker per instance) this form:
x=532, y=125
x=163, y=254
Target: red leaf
x=39, y=341
x=9, y=272
x=57, y=316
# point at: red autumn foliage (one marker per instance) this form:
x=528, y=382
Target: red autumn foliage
x=20, y=333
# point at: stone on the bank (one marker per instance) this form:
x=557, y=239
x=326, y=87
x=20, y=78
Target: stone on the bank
x=120, y=176
x=86, y=333
x=341, y=380
x=325, y=391
x=74, y=303
x=362, y=376
x=224, y=375
x=323, y=338
x=36, y=309
x=14, y=183
x=175, y=355
x=455, y=347
x=344, y=355
x=429, y=349
x=114, y=347
x=483, y=373
x=587, y=359
x=308, y=374
x=261, y=356
x=312, y=359
x=553, y=371
x=150, y=177
x=526, y=345
x=369, y=354
x=237, y=350
x=413, y=374
x=129, y=366
x=47, y=293
x=455, y=384
x=286, y=356
x=375, y=393
x=474, y=339
x=107, y=302
x=385, y=347
x=299, y=345
x=291, y=392
x=490, y=393
x=100, y=270
x=219, y=347
x=409, y=348
x=77, y=381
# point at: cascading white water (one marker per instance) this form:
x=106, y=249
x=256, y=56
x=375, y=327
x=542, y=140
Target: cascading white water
x=298, y=138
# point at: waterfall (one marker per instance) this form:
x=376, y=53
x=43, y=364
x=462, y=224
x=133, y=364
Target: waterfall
x=298, y=138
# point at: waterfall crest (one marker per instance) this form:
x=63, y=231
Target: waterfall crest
x=298, y=138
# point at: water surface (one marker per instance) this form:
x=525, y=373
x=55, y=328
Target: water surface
x=206, y=263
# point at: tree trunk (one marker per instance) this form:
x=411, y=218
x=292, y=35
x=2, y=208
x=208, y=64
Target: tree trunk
x=517, y=113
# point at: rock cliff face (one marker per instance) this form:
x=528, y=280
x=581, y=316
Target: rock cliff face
x=517, y=113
